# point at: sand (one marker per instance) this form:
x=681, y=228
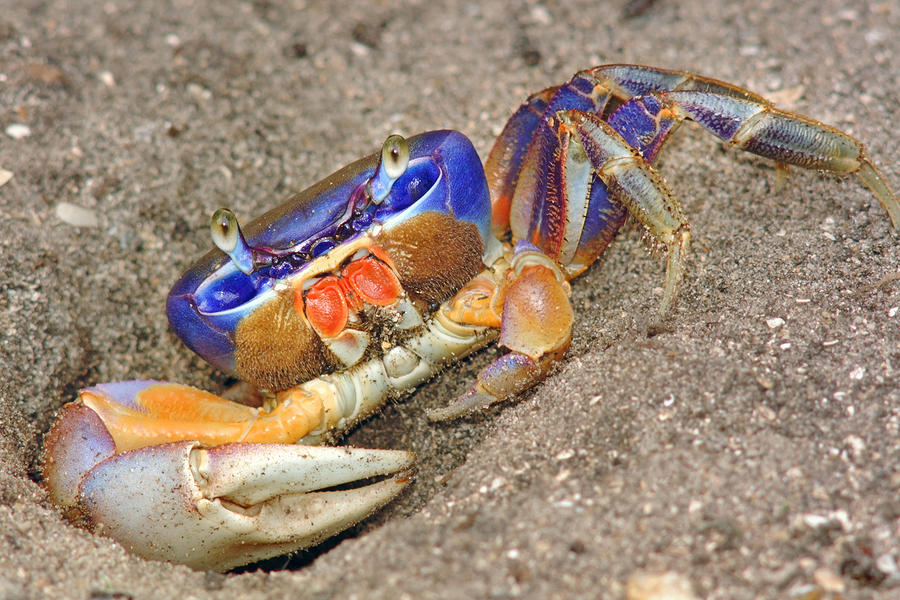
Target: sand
x=749, y=448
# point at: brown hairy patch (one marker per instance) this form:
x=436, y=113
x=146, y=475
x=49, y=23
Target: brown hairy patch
x=435, y=255
x=275, y=348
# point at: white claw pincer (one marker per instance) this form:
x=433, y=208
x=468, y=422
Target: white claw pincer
x=222, y=507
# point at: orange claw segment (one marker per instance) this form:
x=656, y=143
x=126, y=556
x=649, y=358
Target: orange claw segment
x=537, y=314
x=185, y=403
x=297, y=413
x=373, y=281
x=171, y=412
x=477, y=304
x=326, y=306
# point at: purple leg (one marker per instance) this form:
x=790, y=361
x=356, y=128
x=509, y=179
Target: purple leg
x=740, y=117
x=520, y=151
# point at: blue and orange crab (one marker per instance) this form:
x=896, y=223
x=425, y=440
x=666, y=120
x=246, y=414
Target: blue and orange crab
x=367, y=283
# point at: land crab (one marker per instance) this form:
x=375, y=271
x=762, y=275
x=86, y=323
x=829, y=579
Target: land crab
x=367, y=283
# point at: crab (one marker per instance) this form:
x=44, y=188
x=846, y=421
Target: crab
x=368, y=283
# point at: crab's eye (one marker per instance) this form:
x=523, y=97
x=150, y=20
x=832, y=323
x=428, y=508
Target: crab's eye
x=391, y=166
x=395, y=156
x=225, y=230
x=227, y=236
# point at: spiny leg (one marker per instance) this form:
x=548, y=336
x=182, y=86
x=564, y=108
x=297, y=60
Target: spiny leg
x=785, y=137
x=526, y=140
x=536, y=318
x=750, y=122
x=625, y=81
x=558, y=203
x=632, y=182
x=504, y=163
x=525, y=137
x=645, y=123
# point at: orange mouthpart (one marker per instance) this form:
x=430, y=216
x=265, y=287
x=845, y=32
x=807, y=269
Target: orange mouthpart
x=329, y=301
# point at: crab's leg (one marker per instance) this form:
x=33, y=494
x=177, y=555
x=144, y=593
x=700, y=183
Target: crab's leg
x=524, y=143
x=138, y=414
x=531, y=307
x=750, y=122
x=537, y=317
x=645, y=123
x=785, y=137
x=625, y=81
x=633, y=183
x=504, y=163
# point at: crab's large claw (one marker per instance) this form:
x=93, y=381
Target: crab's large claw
x=213, y=508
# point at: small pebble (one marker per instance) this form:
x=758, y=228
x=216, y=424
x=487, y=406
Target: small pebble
x=658, y=586
x=764, y=382
x=540, y=15
x=766, y=413
x=775, y=323
x=107, y=78
x=832, y=520
x=75, y=215
x=888, y=566
x=828, y=580
x=5, y=176
x=17, y=131
x=856, y=444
